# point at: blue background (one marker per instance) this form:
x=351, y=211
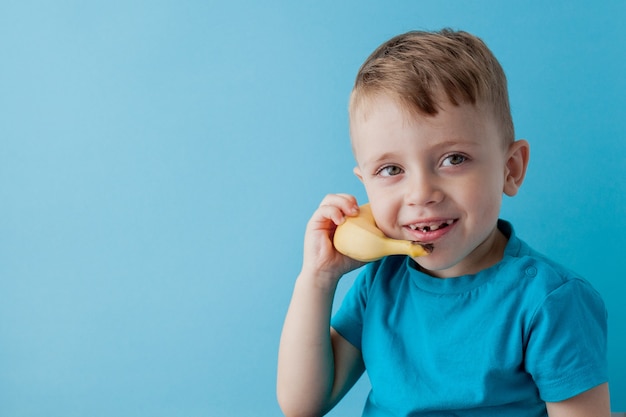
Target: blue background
x=159, y=161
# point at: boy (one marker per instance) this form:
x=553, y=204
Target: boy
x=483, y=325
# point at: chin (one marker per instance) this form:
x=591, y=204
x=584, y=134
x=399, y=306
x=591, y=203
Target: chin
x=436, y=267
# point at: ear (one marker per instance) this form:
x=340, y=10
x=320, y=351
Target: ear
x=516, y=164
x=357, y=172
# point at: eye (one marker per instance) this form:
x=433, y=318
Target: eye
x=453, y=160
x=389, y=171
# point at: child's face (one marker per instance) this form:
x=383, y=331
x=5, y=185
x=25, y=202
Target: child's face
x=434, y=179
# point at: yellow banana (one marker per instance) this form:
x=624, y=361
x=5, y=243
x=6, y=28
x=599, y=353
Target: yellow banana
x=360, y=239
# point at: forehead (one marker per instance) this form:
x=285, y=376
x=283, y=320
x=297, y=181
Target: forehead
x=391, y=115
x=382, y=122
x=365, y=100
x=363, y=103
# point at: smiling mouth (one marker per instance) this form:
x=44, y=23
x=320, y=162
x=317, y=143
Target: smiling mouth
x=431, y=226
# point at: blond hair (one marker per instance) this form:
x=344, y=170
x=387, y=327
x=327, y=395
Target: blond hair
x=421, y=69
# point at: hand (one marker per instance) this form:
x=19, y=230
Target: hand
x=321, y=259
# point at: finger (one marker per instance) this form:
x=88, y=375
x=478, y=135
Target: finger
x=327, y=212
x=345, y=202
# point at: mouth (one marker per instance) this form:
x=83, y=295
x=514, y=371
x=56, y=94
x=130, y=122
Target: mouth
x=433, y=226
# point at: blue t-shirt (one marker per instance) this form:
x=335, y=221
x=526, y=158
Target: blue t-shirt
x=501, y=342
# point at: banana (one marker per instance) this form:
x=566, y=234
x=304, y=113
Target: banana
x=360, y=239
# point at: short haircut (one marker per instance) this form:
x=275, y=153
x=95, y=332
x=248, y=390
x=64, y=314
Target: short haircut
x=420, y=69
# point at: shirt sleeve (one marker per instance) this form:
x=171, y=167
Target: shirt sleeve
x=348, y=320
x=566, y=351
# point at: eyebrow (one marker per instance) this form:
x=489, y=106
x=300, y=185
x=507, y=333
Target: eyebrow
x=446, y=144
x=442, y=145
x=385, y=156
x=453, y=143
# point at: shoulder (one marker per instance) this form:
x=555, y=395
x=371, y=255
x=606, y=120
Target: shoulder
x=536, y=269
x=375, y=277
x=384, y=270
x=552, y=290
x=379, y=280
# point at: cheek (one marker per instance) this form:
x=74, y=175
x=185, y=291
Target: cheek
x=482, y=197
x=376, y=193
x=385, y=212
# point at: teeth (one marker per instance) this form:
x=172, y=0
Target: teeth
x=431, y=227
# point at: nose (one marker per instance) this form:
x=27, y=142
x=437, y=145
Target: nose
x=423, y=189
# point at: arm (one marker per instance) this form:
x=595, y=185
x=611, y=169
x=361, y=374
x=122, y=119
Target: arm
x=316, y=366
x=592, y=403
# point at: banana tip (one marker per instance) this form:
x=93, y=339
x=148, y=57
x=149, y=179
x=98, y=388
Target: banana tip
x=428, y=247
